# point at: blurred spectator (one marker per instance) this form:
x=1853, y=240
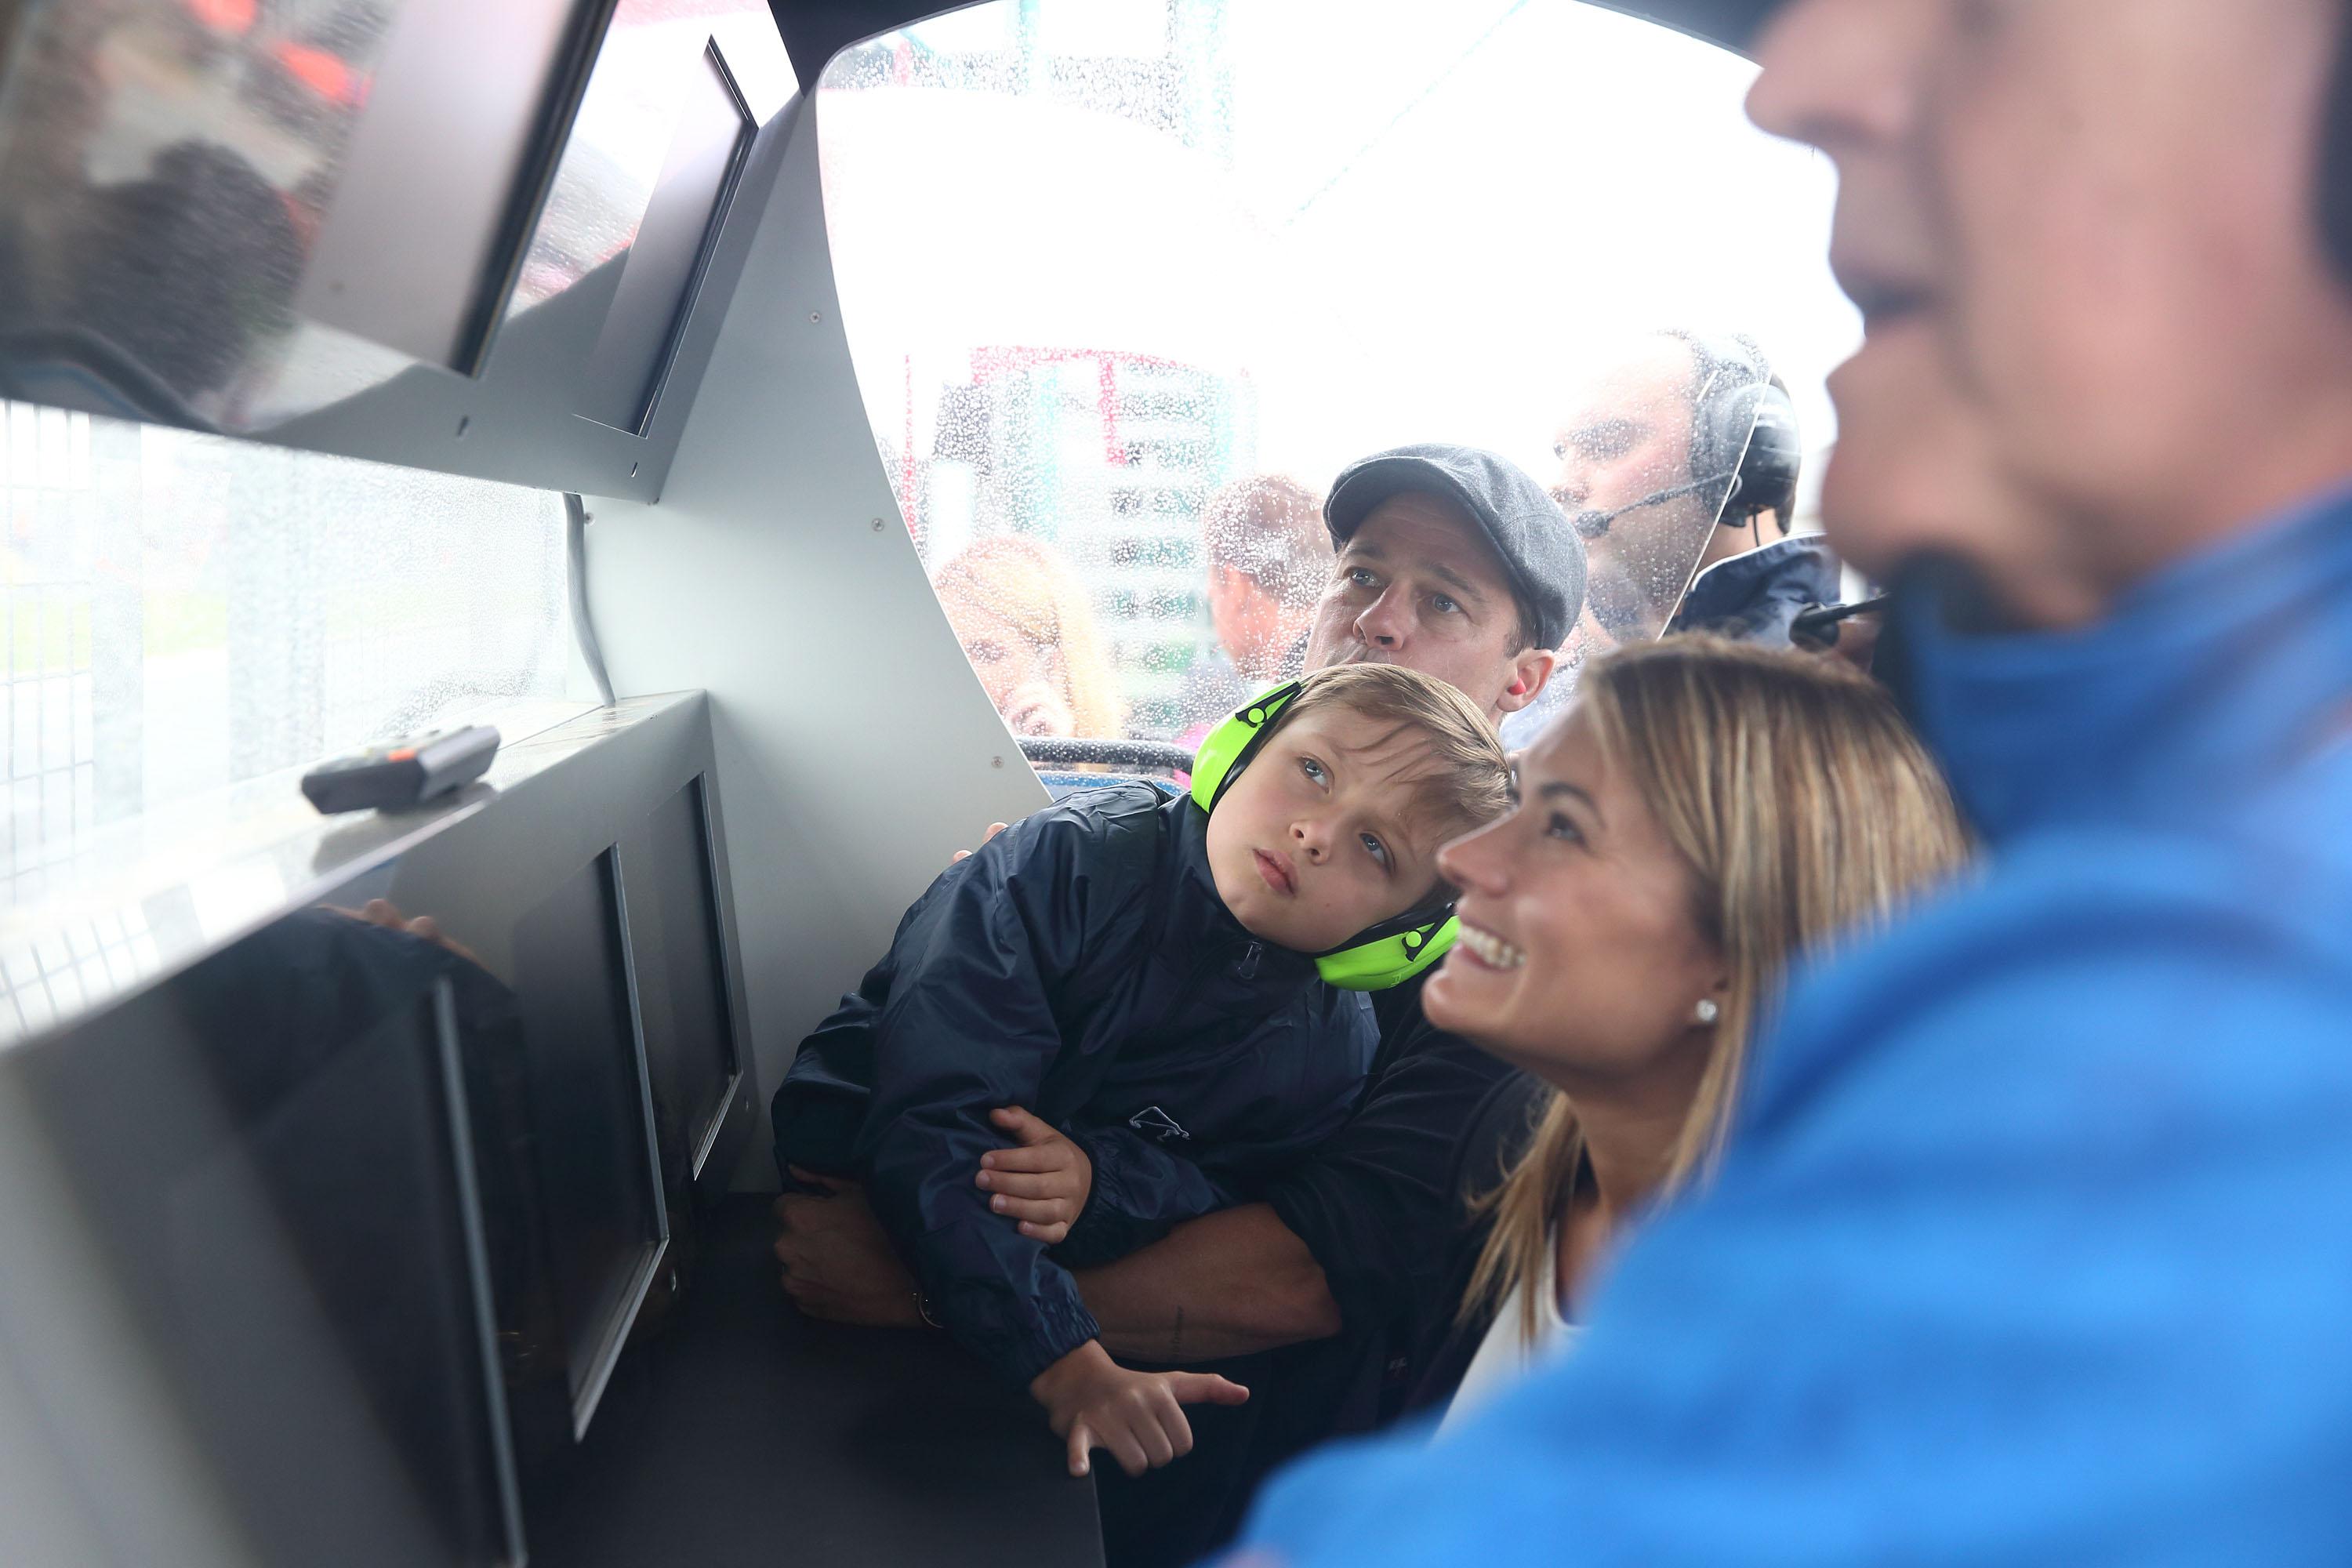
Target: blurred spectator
x=1269, y=559
x=1022, y=618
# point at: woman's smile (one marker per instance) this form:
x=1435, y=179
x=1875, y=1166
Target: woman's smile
x=1487, y=951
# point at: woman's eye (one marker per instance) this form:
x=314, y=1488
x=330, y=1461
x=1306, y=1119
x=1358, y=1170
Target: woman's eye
x=1378, y=850
x=1560, y=827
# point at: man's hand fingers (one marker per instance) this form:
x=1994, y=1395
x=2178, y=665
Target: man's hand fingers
x=1205, y=1388
x=1081, y=1445
x=993, y=830
x=813, y=1179
x=1051, y=1234
x=1024, y=1126
x=1054, y=1156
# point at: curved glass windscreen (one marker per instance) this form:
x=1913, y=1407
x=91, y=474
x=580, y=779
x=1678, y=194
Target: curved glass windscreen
x=1129, y=282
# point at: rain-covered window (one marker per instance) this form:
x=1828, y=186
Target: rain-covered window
x=1128, y=281
x=182, y=612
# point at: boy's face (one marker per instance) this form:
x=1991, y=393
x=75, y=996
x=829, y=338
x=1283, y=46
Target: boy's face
x=1315, y=842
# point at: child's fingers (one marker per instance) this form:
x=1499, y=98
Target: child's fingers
x=1158, y=1441
x=1051, y=1234
x=1014, y=1184
x=1023, y=1126
x=1081, y=1447
x=1054, y=1156
x=1126, y=1450
x=1039, y=1211
x=1205, y=1388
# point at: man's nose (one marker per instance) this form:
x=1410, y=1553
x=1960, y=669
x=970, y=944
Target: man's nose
x=1386, y=621
x=1843, y=74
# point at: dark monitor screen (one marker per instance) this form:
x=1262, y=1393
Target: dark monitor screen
x=273, y=1150
x=591, y=1120
x=656, y=291
x=689, y=1032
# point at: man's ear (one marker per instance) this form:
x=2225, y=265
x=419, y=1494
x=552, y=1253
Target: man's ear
x=1529, y=672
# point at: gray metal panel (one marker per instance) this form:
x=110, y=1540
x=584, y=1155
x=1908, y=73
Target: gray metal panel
x=859, y=751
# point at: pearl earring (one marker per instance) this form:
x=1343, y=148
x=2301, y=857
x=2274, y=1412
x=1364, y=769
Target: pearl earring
x=1708, y=1012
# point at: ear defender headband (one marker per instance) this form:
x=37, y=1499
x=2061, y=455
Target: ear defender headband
x=1389, y=953
x=1745, y=425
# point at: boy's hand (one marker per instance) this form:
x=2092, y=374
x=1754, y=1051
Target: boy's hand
x=1042, y=1182
x=1095, y=1402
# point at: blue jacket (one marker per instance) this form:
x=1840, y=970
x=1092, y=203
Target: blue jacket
x=2035, y=1245
x=1081, y=966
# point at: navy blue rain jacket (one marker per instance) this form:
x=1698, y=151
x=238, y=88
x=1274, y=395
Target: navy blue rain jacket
x=1081, y=965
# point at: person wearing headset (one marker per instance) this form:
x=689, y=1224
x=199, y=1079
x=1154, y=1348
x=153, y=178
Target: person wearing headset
x=1161, y=1002
x=1671, y=457
x=2029, y=1248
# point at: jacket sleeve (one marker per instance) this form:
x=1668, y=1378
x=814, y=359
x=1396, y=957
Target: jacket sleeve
x=969, y=1026
x=1141, y=1191
x=1145, y=1187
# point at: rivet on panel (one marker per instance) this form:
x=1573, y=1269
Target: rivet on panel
x=816, y=315
x=878, y=525
x=996, y=762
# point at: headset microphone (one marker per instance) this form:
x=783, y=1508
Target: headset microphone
x=1593, y=524
x=1389, y=953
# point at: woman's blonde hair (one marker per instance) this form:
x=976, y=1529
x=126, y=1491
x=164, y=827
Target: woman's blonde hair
x=1028, y=584
x=1804, y=810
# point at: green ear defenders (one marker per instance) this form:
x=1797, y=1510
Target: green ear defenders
x=1389, y=953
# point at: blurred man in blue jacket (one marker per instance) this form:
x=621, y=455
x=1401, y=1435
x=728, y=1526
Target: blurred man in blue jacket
x=2036, y=1246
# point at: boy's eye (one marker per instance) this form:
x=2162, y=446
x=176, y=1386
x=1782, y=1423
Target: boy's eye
x=1313, y=770
x=1378, y=850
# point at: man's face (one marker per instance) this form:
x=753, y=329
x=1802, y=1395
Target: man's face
x=2099, y=212
x=1315, y=840
x=1626, y=436
x=1420, y=586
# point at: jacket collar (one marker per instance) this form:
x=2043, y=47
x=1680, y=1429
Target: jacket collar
x=2205, y=680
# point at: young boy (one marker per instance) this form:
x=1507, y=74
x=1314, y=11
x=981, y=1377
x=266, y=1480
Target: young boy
x=1155, y=979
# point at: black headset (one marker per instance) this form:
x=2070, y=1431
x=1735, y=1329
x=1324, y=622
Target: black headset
x=1745, y=425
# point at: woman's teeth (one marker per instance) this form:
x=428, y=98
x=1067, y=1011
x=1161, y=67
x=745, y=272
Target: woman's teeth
x=1492, y=950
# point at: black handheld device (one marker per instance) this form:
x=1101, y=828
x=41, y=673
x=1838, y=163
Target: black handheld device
x=400, y=774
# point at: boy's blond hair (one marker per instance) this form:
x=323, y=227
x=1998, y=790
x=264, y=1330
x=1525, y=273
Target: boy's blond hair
x=1465, y=781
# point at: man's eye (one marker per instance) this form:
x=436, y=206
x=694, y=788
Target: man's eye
x=1362, y=578
x=1442, y=606
x=1603, y=443
x=1378, y=850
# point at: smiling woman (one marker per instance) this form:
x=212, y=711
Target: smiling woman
x=1706, y=814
